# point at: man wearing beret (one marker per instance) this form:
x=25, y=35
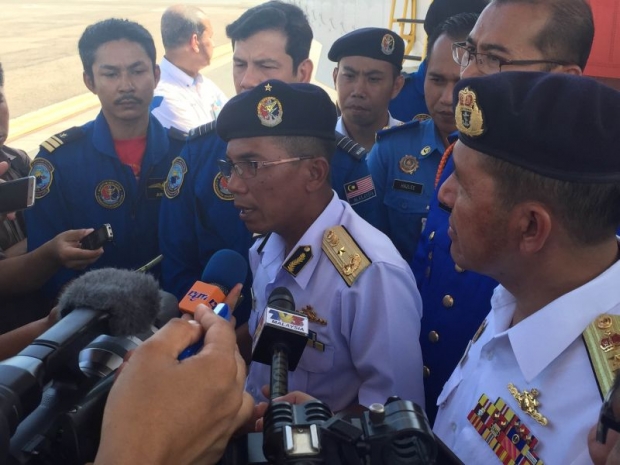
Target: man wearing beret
x=510, y=35
x=533, y=194
x=358, y=293
x=367, y=77
x=270, y=41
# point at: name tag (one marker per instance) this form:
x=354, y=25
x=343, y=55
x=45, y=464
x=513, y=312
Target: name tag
x=408, y=186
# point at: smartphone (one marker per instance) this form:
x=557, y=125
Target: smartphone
x=17, y=194
x=98, y=237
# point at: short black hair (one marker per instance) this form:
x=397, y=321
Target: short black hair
x=108, y=30
x=440, y=10
x=1, y=76
x=456, y=27
x=179, y=24
x=278, y=16
x=569, y=33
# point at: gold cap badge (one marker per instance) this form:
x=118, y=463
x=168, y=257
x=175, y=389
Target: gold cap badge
x=469, y=119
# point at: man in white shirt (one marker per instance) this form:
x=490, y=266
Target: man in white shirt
x=184, y=99
x=533, y=204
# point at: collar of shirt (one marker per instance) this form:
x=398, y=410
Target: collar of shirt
x=313, y=237
x=343, y=130
x=170, y=72
x=543, y=336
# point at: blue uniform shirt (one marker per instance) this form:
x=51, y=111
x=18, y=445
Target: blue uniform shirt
x=403, y=164
x=410, y=102
x=198, y=216
x=81, y=183
x=455, y=301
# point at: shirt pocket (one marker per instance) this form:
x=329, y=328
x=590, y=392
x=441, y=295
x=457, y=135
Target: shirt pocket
x=317, y=361
x=406, y=197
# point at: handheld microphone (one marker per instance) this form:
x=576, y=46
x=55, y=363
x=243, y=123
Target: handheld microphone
x=280, y=339
x=107, y=300
x=225, y=269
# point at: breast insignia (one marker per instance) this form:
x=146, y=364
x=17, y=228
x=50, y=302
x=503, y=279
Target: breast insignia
x=344, y=253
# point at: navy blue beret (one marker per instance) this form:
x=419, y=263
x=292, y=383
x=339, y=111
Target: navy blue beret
x=372, y=42
x=275, y=108
x=557, y=125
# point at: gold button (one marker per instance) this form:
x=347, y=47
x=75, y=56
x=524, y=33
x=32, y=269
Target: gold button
x=447, y=301
x=430, y=255
x=458, y=268
x=426, y=372
x=433, y=336
x=431, y=236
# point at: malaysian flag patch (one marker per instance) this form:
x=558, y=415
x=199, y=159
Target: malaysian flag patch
x=360, y=190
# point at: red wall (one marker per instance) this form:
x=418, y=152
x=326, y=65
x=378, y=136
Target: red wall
x=604, y=60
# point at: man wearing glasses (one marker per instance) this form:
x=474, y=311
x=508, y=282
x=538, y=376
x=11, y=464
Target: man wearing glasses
x=533, y=199
x=510, y=35
x=357, y=292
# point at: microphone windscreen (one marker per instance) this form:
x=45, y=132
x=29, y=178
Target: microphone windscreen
x=225, y=269
x=281, y=298
x=130, y=298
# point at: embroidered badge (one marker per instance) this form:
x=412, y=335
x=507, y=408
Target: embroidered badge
x=469, y=118
x=360, y=190
x=298, y=260
x=175, y=178
x=409, y=164
x=312, y=316
x=220, y=187
x=43, y=171
x=528, y=403
x=387, y=44
x=110, y=194
x=499, y=426
x=269, y=111
x=421, y=117
x=155, y=188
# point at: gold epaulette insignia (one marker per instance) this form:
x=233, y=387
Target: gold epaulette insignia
x=298, y=260
x=602, y=339
x=344, y=253
x=61, y=138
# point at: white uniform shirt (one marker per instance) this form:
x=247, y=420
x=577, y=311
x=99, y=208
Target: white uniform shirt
x=183, y=102
x=546, y=352
x=343, y=130
x=371, y=337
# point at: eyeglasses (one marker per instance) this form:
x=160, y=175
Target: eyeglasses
x=248, y=169
x=606, y=419
x=488, y=63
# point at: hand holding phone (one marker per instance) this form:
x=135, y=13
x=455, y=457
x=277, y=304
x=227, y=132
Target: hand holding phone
x=98, y=238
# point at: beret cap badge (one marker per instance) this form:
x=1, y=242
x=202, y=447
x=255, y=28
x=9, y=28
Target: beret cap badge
x=387, y=44
x=269, y=111
x=469, y=119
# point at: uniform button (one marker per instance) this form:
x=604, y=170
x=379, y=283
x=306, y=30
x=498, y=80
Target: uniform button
x=430, y=255
x=447, y=301
x=426, y=372
x=431, y=236
x=433, y=336
x=458, y=269
x=427, y=272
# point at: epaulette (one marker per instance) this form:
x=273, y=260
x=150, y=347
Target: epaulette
x=602, y=340
x=62, y=138
x=176, y=133
x=350, y=146
x=398, y=127
x=201, y=130
x=345, y=254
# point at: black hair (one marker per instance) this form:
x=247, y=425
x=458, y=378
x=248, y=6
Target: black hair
x=456, y=27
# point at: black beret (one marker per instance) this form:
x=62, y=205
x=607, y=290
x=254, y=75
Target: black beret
x=275, y=108
x=440, y=10
x=557, y=125
x=372, y=42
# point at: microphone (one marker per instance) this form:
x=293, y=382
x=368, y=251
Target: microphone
x=225, y=269
x=107, y=300
x=280, y=339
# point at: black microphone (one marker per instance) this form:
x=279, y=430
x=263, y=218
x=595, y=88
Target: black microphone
x=107, y=300
x=281, y=337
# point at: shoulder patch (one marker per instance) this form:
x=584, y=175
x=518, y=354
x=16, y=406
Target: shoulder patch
x=398, y=127
x=344, y=253
x=43, y=171
x=175, y=178
x=421, y=117
x=176, y=133
x=602, y=340
x=61, y=138
x=350, y=146
x=201, y=130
